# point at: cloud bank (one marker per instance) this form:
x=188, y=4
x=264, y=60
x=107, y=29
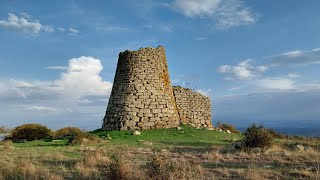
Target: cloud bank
x=243, y=71
x=25, y=24
x=297, y=57
x=255, y=76
x=224, y=14
x=80, y=93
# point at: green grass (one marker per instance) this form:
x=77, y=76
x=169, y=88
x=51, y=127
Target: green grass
x=188, y=136
x=191, y=145
x=160, y=138
x=41, y=143
x=186, y=140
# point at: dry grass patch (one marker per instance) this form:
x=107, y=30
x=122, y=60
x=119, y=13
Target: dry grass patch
x=90, y=166
x=160, y=167
x=24, y=169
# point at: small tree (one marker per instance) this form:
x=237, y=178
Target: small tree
x=258, y=136
x=75, y=136
x=30, y=132
x=67, y=133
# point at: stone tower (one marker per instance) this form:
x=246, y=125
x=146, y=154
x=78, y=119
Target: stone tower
x=142, y=96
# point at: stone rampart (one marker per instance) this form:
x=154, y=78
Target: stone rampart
x=194, y=108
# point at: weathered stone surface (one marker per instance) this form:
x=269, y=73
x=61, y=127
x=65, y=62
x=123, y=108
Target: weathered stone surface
x=141, y=92
x=142, y=97
x=193, y=107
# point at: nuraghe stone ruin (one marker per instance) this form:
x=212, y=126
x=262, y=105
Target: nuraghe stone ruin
x=142, y=96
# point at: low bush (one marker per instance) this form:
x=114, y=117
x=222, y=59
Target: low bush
x=258, y=136
x=226, y=126
x=84, y=138
x=98, y=165
x=30, y=132
x=276, y=134
x=76, y=136
x=67, y=132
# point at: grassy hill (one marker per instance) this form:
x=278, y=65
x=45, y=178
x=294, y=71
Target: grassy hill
x=187, y=136
x=158, y=154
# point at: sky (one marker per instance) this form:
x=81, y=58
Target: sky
x=257, y=60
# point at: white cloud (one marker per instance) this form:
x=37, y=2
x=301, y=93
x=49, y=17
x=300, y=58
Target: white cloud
x=310, y=86
x=58, y=67
x=48, y=28
x=27, y=24
x=81, y=80
x=243, y=71
x=291, y=81
x=113, y=28
x=21, y=88
x=24, y=24
x=73, y=31
x=276, y=83
x=224, y=13
x=205, y=92
x=236, y=88
x=2, y=88
x=201, y=38
x=194, y=8
x=293, y=75
x=69, y=31
x=61, y=29
x=84, y=101
x=297, y=57
x=293, y=53
x=40, y=108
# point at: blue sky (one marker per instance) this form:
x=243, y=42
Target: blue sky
x=257, y=60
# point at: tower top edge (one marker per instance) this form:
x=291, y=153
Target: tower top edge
x=159, y=48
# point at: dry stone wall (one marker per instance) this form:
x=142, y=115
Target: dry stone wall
x=194, y=108
x=142, y=96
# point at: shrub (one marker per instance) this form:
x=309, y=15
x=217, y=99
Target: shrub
x=84, y=138
x=30, y=132
x=98, y=165
x=67, y=132
x=75, y=136
x=226, y=126
x=276, y=134
x=4, y=130
x=258, y=136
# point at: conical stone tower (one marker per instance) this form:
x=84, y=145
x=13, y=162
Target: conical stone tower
x=142, y=96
